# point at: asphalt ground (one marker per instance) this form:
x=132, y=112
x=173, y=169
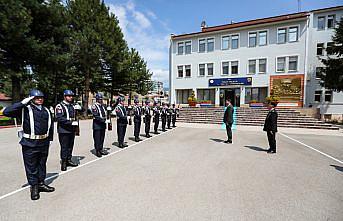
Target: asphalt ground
x=187, y=173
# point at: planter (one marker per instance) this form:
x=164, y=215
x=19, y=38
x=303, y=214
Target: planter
x=206, y=105
x=192, y=103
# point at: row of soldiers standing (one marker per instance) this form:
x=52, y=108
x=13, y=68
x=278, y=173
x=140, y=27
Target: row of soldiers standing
x=36, y=131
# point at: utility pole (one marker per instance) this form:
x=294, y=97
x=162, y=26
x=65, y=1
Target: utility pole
x=299, y=5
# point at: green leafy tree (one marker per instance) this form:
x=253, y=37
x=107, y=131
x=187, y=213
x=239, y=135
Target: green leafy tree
x=332, y=74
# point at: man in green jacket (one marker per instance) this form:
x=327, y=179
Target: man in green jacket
x=228, y=120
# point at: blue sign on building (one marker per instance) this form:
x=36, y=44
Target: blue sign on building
x=229, y=81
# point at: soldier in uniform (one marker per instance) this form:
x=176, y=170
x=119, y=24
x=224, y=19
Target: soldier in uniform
x=121, y=122
x=137, y=119
x=157, y=113
x=99, y=125
x=66, y=125
x=164, y=116
x=174, y=114
x=36, y=135
x=169, y=116
x=270, y=126
x=228, y=120
x=147, y=118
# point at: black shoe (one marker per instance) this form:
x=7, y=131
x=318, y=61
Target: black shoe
x=103, y=152
x=137, y=139
x=174, y=126
x=164, y=130
x=156, y=132
x=64, y=165
x=148, y=135
x=121, y=145
x=125, y=145
x=42, y=187
x=98, y=153
x=271, y=151
x=34, y=192
x=169, y=127
x=71, y=163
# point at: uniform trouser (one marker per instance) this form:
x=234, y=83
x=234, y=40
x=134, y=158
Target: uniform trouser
x=271, y=141
x=157, y=122
x=168, y=121
x=99, y=137
x=174, y=120
x=67, y=145
x=137, y=127
x=35, y=163
x=229, y=131
x=147, y=125
x=121, y=130
x=164, y=120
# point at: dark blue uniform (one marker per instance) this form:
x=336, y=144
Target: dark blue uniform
x=169, y=115
x=156, y=118
x=137, y=119
x=65, y=115
x=35, y=143
x=121, y=123
x=174, y=115
x=147, y=120
x=99, y=125
x=164, y=118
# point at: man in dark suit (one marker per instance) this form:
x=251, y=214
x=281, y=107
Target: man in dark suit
x=228, y=120
x=121, y=122
x=270, y=126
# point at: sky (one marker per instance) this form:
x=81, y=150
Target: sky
x=147, y=24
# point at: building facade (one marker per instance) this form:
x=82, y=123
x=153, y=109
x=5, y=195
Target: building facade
x=250, y=60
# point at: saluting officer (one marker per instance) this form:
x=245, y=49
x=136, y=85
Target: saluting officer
x=137, y=119
x=99, y=125
x=121, y=121
x=164, y=116
x=36, y=132
x=66, y=125
x=175, y=113
x=147, y=118
x=169, y=115
x=157, y=113
x=270, y=126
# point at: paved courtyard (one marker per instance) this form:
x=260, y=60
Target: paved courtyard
x=187, y=173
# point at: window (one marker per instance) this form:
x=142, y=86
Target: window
x=293, y=34
x=234, y=67
x=234, y=41
x=210, y=44
x=188, y=70
x=320, y=47
x=329, y=47
x=252, y=39
x=293, y=63
x=180, y=48
x=206, y=95
x=317, y=96
x=202, y=45
x=225, y=68
x=252, y=66
x=201, y=69
x=262, y=38
x=180, y=71
x=281, y=64
x=321, y=23
x=255, y=93
x=188, y=47
x=319, y=71
x=331, y=21
x=225, y=42
x=183, y=95
x=210, y=69
x=281, y=35
x=328, y=96
x=262, y=65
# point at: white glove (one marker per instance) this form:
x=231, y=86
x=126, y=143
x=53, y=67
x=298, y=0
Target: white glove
x=109, y=108
x=27, y=100
x=50, y=143
x=77, y=107
x=107, y=121
x=75, y=123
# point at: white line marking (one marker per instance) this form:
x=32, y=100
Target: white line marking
x=312, y=148
x=82, y=165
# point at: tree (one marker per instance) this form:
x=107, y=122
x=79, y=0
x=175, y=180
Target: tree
x=332, y=74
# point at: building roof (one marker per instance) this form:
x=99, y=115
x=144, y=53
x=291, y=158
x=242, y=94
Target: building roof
x=259, y=21
x=3, y=97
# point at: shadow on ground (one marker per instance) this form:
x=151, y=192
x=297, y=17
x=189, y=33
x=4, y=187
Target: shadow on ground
x=339, y=168
x=50, y=178
x=217, y=140
x=256, y=148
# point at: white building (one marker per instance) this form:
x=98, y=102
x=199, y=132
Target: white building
x=253, y=59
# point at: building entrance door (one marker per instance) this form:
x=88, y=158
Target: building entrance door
x=230, y=93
